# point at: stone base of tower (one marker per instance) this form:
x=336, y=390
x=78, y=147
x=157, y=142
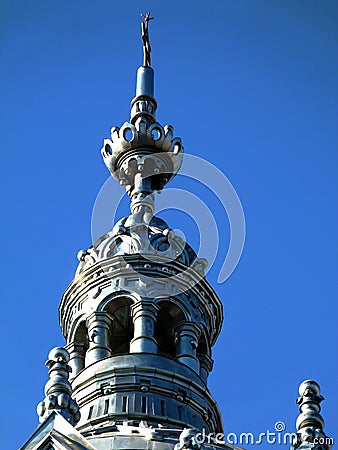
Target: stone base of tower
x=146, y=390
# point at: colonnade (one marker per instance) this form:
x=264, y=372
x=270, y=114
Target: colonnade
x=144, y=314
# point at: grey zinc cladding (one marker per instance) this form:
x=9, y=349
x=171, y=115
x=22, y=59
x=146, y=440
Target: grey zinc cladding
x=140, y=319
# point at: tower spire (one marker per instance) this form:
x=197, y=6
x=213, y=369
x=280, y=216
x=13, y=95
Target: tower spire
x=143, y=155
x=139, y=318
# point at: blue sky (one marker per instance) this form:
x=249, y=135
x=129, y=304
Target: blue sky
x=249, y=85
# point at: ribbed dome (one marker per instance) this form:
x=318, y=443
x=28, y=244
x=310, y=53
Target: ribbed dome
x=149, y=240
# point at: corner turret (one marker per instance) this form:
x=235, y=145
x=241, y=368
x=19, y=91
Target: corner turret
x=58, y=390
x=310, y=424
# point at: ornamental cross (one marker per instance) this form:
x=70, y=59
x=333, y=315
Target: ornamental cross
x=145, y=38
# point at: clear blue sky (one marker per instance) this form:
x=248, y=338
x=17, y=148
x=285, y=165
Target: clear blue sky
x=249, y=85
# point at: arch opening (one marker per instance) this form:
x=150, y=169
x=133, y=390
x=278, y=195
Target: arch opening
x=122, y=330
x=168, y=316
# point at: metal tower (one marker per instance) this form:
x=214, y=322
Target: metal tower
x=139, y=318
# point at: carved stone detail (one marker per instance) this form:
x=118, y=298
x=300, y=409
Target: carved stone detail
x=133, y=235
x=187, y=440
x=150, y=142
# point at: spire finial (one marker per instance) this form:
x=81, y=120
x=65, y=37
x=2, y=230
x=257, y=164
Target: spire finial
x=145, y=38
x=157, y=153
x=58, y=390
x=310, y=423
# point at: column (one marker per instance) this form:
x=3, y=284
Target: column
x=98, y=324
x=206, y=364
x=144, y=316
x=76, y=352
x=186, y=339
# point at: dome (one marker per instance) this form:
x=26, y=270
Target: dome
x=132, y=237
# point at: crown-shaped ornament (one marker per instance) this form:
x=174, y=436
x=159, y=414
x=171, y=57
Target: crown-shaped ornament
x=145, y=147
